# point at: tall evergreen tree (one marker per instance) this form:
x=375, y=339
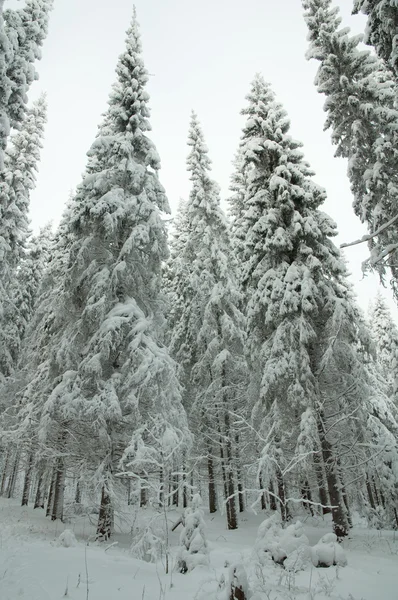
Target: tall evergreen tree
x=17, y=181
x=109, y=372
x=385, y=335
x=382, y=28
x=208, y=335
x=363, y=119
x=22, y=33
x=302, y=323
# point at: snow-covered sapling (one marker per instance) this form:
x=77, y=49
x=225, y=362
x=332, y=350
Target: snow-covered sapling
x=193, y=550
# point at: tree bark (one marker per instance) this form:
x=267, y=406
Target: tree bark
x=13, y=477
x=39, y=496
x=282, y=496
x=272, y=499
x=59, y=487
x=323, y=494
x=212, y=485
x=50, y=500
x=4, y=475
x=105, y=518
x=340, y=523
x=261, y=485
x=143, y=492
x=28, y=478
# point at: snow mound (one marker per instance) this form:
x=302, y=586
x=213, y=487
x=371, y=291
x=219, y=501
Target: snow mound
x=280, y=544
x=328, y=552
x=67, y=539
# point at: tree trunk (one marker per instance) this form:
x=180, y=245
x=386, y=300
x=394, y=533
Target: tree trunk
x=184, y=487
x=28, y=477
x=340, y=523
x=50, y=500
x=143, y=492
x=370, y=493
x=175, y=490
x=272, y=499
x=13, y=477
x=4, y=475
x=323, y=494
x=261, y=485
x=39, y=496
x=282, y=496
x=78, y=493
x=306, y=496
x=59, y=487
x=212, y=485
x=105, y=518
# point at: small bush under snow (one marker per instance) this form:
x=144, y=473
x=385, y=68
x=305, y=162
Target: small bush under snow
x=280, y=544
x=328, y=552
x=67, y=539
x=193, y=551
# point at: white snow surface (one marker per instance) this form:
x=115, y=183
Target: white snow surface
x=33, y=566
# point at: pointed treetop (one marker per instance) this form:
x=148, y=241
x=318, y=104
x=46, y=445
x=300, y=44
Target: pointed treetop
x=198, y=161
x=128, y=102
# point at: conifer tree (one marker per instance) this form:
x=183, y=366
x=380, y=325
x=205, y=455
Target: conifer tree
x=385, y=335
x=362, y=117
x=17, y=181
x=22, y=34
x=382, y=28
x=302, y=323
x=208, y=337
x=115, y=375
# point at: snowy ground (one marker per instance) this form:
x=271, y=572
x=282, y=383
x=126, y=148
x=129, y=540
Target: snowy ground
x=33, y=567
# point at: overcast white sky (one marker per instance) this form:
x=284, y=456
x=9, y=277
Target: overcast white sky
x=202, y=56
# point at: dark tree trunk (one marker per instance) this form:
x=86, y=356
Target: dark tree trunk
x=13, y=477
x=39, y=496
x=212, y=485
x=105, y=518
x=27, y=481
x=161, y=487
x=261, y=485
x=272, y=499
x=143, y=492
x=282, y=496
x=78, y=493
x=59, y=487
x=184, y=488
x=370, y=493
x=306, y=496
x=175, y=490
x=340, y=522
x=4, y=474
x=323, y=494
x=50, y=500
x=239, y=477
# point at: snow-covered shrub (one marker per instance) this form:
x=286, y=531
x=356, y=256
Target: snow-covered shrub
x=237, y=587
x=67, y=539
x=193, y=550
x=149, y=543
x=280, y=544
x=328, y=552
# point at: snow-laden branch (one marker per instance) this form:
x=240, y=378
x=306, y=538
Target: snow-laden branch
x=370, y=236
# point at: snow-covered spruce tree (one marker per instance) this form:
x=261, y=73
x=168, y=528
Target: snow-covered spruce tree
x=208, y=334
x=17, y=180
x=382, y=28
x=22, y=33
x=110, y=372
x=22, y=423
x=301, y=320
x=363, y=120
x=385, y=334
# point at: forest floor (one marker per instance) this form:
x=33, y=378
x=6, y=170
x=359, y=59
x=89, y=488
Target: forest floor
x=34, y=567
